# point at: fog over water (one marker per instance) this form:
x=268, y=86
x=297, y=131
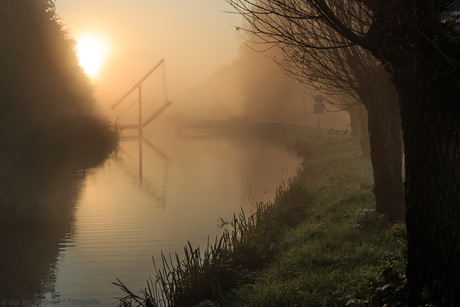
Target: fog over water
x=117, y=218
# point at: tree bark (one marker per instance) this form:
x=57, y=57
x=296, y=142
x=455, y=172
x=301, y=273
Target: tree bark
x=354, y=121
x=431, y=124
x=385, y=138
x=364, y=132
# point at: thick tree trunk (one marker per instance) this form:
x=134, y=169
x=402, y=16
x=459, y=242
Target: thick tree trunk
x=354, y=121
x=431, y=124
x=364, y=132
x=381, y=100
x=360, y=128
x=386, y=149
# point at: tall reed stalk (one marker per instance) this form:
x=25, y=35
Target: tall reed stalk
x=246, y=245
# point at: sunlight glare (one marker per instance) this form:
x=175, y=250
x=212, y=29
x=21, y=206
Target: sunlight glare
x=92, y=50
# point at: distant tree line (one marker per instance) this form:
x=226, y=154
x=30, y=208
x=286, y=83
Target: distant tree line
x=268, y=94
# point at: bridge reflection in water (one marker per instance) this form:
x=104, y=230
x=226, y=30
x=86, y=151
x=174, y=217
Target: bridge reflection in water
x=155, y=192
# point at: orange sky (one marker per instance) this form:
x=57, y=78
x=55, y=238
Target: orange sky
x=194, y=37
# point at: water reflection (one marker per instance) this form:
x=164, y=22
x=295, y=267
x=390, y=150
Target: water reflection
x=156, y=192
x=107, y=222
x=34, y=222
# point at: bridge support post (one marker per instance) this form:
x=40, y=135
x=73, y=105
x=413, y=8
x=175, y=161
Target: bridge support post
x=139, y=86
x=140, y=110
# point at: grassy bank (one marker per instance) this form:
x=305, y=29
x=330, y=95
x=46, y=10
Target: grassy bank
x=318, y=243
x=343, y=253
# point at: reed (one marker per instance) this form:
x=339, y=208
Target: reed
x=327, y=248
x=246, y=245
x=343, y=253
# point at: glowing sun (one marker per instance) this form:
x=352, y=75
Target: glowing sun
x=92, y=50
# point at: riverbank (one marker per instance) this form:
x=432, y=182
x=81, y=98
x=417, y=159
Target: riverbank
x=343, y=253
x=318, y=243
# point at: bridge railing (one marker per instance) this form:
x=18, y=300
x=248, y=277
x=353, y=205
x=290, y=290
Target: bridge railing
x=344, y=131
x=244, y=121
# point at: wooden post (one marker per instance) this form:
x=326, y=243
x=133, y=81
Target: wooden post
x=140, y=156
x=138, y=85
x=157, y=113
x=140, y=110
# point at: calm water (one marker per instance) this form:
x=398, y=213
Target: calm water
x=128, y=209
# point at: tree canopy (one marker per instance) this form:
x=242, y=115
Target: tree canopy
x=47, y=114
x=40, y=72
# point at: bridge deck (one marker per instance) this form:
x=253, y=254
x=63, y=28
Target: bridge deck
x=125, y=126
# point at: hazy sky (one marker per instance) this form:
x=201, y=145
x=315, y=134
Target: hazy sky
x=194, y=37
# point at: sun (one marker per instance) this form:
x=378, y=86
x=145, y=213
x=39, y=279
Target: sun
x=92, y=51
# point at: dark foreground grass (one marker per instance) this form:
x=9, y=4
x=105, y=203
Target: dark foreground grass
x=318, y=246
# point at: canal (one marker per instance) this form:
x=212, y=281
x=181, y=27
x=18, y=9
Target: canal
x=150, y=197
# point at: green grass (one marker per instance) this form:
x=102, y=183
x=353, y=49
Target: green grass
x=319, y=243
x=336, y=256
x=324, y=264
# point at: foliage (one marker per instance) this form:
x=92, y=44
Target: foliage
x=40, y=77
x=47, y=150
x=47, y=122
x=46, y=100
x=369, y=219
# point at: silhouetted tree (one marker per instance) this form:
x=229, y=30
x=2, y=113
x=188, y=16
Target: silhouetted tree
x=40, y=76
x=340, y=72
x=46, y=100
x=417, y=43
x=45, y=135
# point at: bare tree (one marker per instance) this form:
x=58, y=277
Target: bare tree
x=418, y=45
x=350, y=71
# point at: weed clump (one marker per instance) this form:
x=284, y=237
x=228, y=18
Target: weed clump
x=247, y=244
x=369, y=219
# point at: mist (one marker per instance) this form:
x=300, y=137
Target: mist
x=193, y=38
x=93, y=202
